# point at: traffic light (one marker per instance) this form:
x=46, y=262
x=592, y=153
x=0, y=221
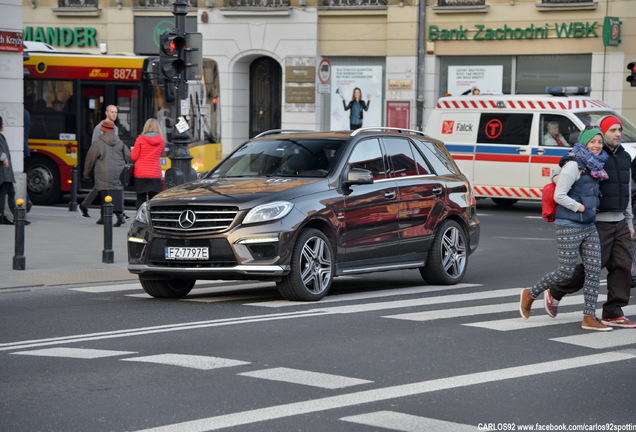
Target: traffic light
x=172, y=54
x=194, y=56
x=631, y=79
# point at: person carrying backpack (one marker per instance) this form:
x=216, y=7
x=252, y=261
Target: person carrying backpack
x=577, y=196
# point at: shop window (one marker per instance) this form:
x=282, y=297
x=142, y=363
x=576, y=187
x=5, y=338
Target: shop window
x=353, y=3
x=444, y=3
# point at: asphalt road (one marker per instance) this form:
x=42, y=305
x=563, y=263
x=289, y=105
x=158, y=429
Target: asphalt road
x=382, y=352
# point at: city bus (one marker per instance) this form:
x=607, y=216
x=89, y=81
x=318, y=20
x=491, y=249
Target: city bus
x=67, y=95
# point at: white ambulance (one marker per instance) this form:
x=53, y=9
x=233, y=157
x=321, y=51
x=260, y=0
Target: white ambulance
x=502, y=143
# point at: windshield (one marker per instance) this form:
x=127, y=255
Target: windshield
x=593, y=118
x=301, y=157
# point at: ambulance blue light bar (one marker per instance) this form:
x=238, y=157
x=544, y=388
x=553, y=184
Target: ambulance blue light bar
x=563, y=91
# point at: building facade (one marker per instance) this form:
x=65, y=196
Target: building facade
x=292, y=63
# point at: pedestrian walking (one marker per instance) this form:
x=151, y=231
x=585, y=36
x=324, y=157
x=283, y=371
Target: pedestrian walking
x=146, y=154
x=111, y=114
x=106, y=159
x=577, y=196
x=615, y=228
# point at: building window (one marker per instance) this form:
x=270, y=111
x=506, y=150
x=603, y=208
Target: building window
x=561, y=1
x=77, y=3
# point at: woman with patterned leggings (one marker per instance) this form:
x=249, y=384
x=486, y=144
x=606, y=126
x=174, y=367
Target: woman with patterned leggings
x=577, y=196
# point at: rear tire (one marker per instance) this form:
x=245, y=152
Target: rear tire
x=167, y=288
x=43, y=180
x=312, y=268
x=448, y=256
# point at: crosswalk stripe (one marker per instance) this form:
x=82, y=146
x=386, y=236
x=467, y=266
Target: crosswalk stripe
x=108, y=288
x=80, y=353
x=392, y=392
x=423, y=301
x=406, y=422
x=487, y=309
x=188, y=361
x=368, y=295
x=314, y=379
x=601, y=340
x=541, y=320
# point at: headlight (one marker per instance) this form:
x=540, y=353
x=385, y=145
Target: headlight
x=142, y=214
x=268, y=212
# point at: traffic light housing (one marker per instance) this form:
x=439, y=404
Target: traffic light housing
x=172, y=54
x=631, y=79
x=194, y=56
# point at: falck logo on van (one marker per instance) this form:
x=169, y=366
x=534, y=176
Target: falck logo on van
x=187, y=218
x=448, y=126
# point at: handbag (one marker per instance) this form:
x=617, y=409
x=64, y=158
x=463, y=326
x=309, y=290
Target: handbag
x=127, y=176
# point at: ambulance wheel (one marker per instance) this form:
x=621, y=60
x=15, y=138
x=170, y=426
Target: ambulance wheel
x=504, y=202
x=167, y=288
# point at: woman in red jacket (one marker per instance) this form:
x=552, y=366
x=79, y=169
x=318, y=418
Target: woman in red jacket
x=146, y=154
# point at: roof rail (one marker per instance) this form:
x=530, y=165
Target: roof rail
x=394, y=129
x=279, y=131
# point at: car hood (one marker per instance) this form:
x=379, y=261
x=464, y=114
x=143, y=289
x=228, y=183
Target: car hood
x=236, y=190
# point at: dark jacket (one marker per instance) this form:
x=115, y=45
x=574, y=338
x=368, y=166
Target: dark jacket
x=107, y=157
x=6, y=173
x=363, y=107
x=585, y=190
x=615, y=189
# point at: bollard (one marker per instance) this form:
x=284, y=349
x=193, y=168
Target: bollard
x=19, y=260
x=72, y=205
x=108, y=254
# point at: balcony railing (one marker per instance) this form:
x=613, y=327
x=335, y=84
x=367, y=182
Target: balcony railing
x=161, y=3
x=77, y=4
x=565, y=1
x=443, y=3
x=353, y=3
x=258, y=3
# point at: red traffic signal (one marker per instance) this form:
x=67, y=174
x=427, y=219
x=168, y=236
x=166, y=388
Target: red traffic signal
x=172, y=54
x=631, y=79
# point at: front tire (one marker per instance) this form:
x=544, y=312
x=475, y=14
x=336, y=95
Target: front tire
x=448, y=256
x=312, y=268
x=43, y=180
x=167, y=288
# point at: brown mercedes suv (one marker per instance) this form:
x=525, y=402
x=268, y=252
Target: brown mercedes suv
x=300, y=208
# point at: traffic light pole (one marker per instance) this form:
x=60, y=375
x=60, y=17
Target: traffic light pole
x=181, y=165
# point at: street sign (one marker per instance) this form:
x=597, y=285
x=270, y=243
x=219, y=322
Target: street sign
x=324, y=71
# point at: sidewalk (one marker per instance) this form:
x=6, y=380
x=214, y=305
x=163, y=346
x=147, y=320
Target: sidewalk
x=63, y=248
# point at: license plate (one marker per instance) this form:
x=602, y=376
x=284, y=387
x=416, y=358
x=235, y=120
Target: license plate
x=187, y=253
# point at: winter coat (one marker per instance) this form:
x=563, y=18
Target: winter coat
x=6, y=173
x=146, y=155
x=106, y=158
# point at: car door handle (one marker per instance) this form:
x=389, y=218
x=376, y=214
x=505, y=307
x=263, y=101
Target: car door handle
x=437, y=190
x=390, y=194
x=540, y=151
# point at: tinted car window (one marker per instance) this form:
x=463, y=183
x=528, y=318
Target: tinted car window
x=282, y=157
x=368, y=155
x=405, y=159
x=437, y=159
x=504, y=129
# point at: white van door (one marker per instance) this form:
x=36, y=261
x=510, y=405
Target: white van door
x=502, y=155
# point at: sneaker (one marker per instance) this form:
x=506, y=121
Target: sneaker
x=623, y=322
x=551, y=305
x=126, y=217
x=525, y=304
x=593, y=323
x=83, y=211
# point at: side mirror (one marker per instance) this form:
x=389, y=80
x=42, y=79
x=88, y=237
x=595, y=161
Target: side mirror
x=359, y=176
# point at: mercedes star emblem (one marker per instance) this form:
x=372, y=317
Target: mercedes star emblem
x=187, y=218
